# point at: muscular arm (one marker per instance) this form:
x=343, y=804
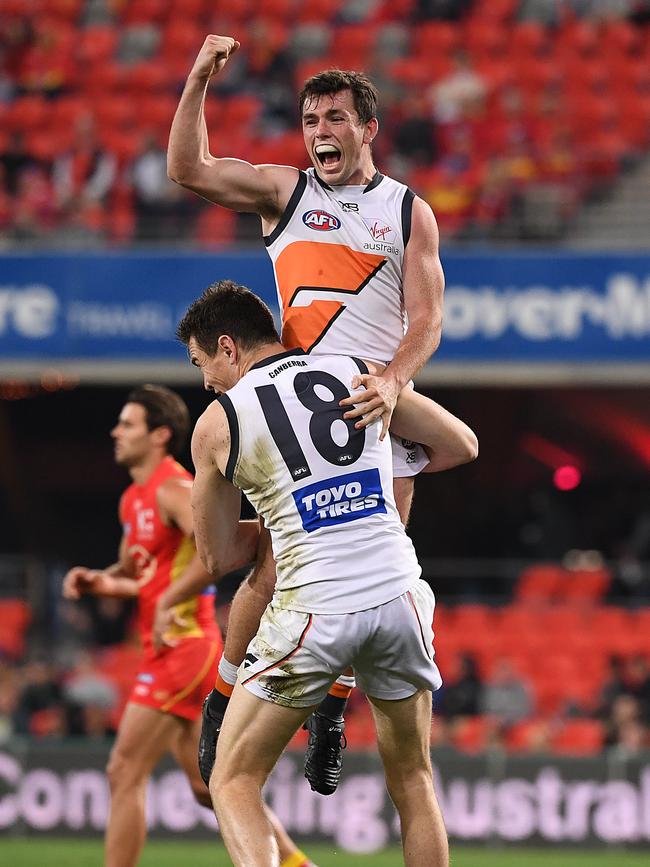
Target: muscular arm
x=175, y=505
x=423, y=286
x=447, y=440
x=222, y=540
x=233, y=183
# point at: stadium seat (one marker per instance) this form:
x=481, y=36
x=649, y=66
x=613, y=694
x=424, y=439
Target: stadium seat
x=215, y=227
x=352, y=44
x=587, y=585
x=579, y=738
x=97, y=44
x=435, y=37
x=541, y=582
x=15, y=617
x=318, y=10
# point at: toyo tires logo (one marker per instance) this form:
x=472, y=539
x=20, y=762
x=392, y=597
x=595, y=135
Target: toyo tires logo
x=321, y=221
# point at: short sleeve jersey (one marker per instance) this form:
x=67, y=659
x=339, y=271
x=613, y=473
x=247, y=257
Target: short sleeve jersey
x=337, y=255
x=161, y=554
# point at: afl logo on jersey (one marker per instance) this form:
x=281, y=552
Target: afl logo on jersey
x=321, y=221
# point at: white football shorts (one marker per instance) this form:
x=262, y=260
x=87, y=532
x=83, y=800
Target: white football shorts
x=409, y=458
x=295, y=657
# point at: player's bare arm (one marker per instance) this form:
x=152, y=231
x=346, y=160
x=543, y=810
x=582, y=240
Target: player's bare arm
x=447, y=440
x=232, y=183
x=115, y=580
x=423, y=287
x=216, y=503
x=175, y=505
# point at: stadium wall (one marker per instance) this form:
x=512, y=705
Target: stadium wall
x=510, y=317
x=491, y=798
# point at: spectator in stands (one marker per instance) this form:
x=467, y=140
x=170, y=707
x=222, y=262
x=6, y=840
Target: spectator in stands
x=451, y=95
x=35, y=213
x=638, y=685
x=83, y=176
x=414, y=138
x=163, y=210
x=40, y=705
x=505, y=697
x=15, y=159
x=625, y=710
x=9, y=696
x=90, y=697
x=48, y=66
x=461, y=696
x=445, y=10
x=613, y=686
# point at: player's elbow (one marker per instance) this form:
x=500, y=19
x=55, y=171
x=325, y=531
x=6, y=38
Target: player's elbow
x=469, y=447
x=462, y=450
x=178, y=173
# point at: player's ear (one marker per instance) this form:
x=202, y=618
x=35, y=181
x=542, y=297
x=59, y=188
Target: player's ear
x=372, y=128
x=161, y=435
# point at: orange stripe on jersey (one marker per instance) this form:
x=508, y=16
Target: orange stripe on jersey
x=305, y=266
x=185, y=611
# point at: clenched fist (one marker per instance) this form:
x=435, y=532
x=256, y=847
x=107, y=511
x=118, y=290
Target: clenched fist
x=213, y=55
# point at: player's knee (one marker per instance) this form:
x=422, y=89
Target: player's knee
x=407, y=783
x=123, y=771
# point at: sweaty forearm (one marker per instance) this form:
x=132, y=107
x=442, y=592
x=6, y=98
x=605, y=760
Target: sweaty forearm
x=417, y=346
x=188, y=137
x=248, y=605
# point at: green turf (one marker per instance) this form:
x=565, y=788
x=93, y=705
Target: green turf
x=85, y=853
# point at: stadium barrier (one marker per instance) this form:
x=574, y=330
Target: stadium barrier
x=494, y=798
x=548, y=315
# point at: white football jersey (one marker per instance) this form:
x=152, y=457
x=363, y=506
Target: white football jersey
x=337, y=254
x=324, y=489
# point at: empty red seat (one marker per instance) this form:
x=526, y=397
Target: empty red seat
x=215, y=227
x=435, y=37
x=579, y=738
x=587, y=585
x=97, y=44
x=543, y=581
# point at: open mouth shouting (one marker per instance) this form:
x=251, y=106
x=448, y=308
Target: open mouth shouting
x=328, y=156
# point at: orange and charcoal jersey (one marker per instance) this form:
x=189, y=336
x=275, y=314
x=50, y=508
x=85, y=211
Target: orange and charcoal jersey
x=161, y=554
x=337, y=256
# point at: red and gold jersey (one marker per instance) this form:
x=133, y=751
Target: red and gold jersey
x=337, y=254
x=161, y=555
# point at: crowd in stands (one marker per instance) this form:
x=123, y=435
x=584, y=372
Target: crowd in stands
x=504, y=115
x=555, y=669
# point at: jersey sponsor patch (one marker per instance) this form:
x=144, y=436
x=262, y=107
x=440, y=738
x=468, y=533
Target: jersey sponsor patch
x=340, y=500
x=379, y=229
x=321, y=221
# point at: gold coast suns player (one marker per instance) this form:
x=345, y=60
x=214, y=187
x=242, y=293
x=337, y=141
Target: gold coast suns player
x=355, y=257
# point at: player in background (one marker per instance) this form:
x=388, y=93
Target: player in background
x=348, y=588
x=355, y=258
x=157, y=549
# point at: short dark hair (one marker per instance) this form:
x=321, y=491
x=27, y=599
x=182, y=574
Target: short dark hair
x=164, y=408
x=331, y=81
x=227, y=308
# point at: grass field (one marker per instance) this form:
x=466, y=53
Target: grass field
x=85, y=853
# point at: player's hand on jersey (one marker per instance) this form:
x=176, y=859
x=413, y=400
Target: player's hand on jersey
x=164, y=619
x=376, y=401
x=213, y=56
x=81, y=580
